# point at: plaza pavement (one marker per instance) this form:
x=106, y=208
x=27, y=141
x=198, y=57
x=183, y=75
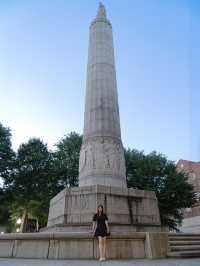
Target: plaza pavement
x=164, y=262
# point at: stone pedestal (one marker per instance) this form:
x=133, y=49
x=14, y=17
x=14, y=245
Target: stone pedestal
x=127, y=209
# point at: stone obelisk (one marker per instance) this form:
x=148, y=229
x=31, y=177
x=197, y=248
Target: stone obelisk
x=102, y=156
x=102, y=172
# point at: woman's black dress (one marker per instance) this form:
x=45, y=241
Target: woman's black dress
x=101, y=229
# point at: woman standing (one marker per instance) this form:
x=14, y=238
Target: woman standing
x=100, y=229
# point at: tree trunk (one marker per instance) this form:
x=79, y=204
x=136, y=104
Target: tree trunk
x=23, y=227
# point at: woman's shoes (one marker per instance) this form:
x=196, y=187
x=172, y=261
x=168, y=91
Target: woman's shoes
x=102, y=259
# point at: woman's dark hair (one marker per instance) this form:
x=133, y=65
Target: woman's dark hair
x=98, y=209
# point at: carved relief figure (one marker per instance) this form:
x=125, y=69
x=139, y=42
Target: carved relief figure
x=102, y=154
x=82, y=159
x=107, y=148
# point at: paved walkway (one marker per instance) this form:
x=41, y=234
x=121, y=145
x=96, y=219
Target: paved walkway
x=169, y=262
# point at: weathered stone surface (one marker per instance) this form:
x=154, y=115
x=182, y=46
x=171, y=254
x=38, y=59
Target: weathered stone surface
x=125, y=262
x=126, y=248
x=156, y=245
x=72, y=249
x=83, y=245
x=29, y=248
x=102, y=155
x=70, y=246
x=6, y=248
x=29, y=245
x=76, y=206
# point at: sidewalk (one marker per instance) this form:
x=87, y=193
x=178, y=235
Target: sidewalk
x=165, y=262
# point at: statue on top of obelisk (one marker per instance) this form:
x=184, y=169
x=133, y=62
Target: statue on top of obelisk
x=102, y=155
x=101, y=11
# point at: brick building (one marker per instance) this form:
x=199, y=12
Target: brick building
x=191, y=221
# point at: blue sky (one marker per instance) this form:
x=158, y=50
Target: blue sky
x=43, y=58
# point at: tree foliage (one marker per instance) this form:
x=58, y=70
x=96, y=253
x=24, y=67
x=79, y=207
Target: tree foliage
x=4, y=211
x=37, y=177
x=7, y=155
x=66, y=159
x=154, y=172
x=33, y=183
x=7, y=160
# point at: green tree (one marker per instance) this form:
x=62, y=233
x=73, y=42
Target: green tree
x=32, y=185
x=38, y=176
x=4, y=211
x=66, y=159
x=7, y=155
x=154, y=172
x=7, y=160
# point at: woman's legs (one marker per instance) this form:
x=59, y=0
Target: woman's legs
x=104, y=246
x=100, y=246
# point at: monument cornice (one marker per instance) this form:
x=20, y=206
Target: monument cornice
x=104, y=20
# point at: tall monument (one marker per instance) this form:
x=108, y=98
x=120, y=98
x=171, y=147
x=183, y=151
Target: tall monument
x=102, y=173
x=102, y=156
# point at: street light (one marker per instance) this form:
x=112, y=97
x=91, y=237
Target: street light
x=19, y=221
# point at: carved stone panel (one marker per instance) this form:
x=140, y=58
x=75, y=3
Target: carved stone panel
x=102, y=156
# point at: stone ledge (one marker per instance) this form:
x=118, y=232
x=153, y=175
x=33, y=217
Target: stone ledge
x=68, y=235
x=88, y=225
x=82, y=245
x=98, y=189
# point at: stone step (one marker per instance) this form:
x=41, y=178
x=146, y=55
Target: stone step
x=184, y=248
x=184, y=238
x=183, y=234
x=184, y=242
x=185, y=254
x=184, y=245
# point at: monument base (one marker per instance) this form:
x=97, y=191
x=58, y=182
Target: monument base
x=128, y=210
x=68, y=234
